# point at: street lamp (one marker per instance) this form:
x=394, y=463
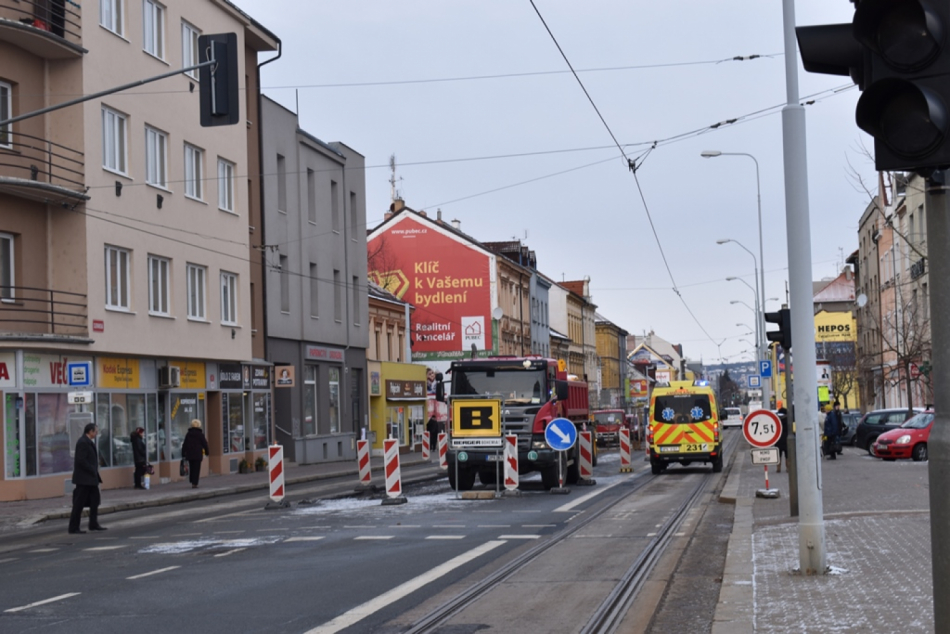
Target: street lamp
x=739, y=301
x=758, y=200
x=759, y=316
x=759, y=339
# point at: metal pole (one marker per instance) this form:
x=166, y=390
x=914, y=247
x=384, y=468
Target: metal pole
x=790, y=420
x=938, y=242
x=811, y=528
x=766, y=387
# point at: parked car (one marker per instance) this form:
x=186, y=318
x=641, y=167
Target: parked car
x=908, y=441
x=731, y=417
x=851, y=420
x=879, y=421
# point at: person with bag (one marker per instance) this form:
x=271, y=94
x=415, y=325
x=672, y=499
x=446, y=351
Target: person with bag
x=86, y=481
x=139, y=456
x=833, y=425
x=193, y=449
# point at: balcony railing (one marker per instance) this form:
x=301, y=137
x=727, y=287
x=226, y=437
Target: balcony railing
x=59, y=17
x=33, y=158
x=24, y=309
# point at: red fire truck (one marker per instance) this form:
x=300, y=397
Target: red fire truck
x=533, y=392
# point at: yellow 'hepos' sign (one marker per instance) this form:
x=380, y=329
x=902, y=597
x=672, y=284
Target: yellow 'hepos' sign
x=476, y=418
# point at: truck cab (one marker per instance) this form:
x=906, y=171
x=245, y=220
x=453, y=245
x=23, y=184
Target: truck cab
x=607, y=424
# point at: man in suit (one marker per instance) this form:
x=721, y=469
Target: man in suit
x=86, y=481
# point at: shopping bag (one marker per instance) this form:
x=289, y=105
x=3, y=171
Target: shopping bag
x=149, y=469
x=147, y=481
x=183, y=467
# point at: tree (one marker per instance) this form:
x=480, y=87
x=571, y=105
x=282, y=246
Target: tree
x=844, y=368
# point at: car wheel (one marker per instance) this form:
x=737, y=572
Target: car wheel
x=920, y=452
x=871, y=442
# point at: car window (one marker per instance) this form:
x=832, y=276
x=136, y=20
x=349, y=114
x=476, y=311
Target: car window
x=897, y=417
x=873, y=419
x=918, y=422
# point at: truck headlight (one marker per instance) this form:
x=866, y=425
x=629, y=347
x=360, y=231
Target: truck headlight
x=539, y=444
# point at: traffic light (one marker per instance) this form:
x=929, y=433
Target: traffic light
x=219, y=96
x=783, y=336
x=898, y=53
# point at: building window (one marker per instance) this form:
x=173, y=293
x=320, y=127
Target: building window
x=337, y=296
x=354, y=218
x=334, y=206
x=194, y=172
x=157, y=285
x=189, y=48
x=311, y=196
x=197, y=276
x=310, y=401
x=6, y=111
x=228, y=298
x=117, y=278
x=314, y=292
x=156, y=145
x=113, y=140
x=356, y=300
x=281, y=183
x=334, y=400
x=284, y=286
x=225, y=185
x=6, y=267
x=153, y=24
x=110, y=15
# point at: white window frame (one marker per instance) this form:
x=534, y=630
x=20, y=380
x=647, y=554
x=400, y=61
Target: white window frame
x=153, y=28
x=194, y=172
x=156, y=157
x=197, y=292
x=158, y=295
x=8, y=294
x=117, y=298
x=115, y=145
x=111, y=16
x=225, y=185
x=229, y=298
x=189, y=47
x=6, y=111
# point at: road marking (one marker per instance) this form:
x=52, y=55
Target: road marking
x=227, y=532
x=651, y=534
x=43, y=602
x=304, y=539
x=186, y=534
x=105, y=547
x=267, y=530
x=221, y=517
x=372, y=537
x=154, y=572
x=494, y=526
x=3, y=561
x=570, y=505
x=448, y=526
x=539, y=526
x=359, y=526
x=147, y=537
x=360, y=612
x=679, y=534
x=446, y=537
x=536, y=511
x=405, y=526
x=40, y=550
x=519, y=537
x=230, y=552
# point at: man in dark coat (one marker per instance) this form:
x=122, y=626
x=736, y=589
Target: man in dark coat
x=193, y=449
x=86, y=481
x=833, y=424
x=139, y=456
x=782, y=443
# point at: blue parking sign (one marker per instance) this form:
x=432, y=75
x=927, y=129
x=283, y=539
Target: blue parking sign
x=765, y=369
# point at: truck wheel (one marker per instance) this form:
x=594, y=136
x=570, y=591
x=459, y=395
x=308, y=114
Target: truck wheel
x=717, y=464
x=572, y=474
x=466, y=479
x=656, y=467
x=549, y=475
x=488, y=476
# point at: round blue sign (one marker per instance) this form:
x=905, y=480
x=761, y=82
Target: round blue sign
x=560, y=434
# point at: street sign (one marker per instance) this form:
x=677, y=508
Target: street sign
x=79, y=398
x=79, y=373
x=765, y=456
x=476, y=418
x=765, y=369
x=762, y=428
x=475, y=443
x=755, y=382
x=560, y=434
x=914, y=371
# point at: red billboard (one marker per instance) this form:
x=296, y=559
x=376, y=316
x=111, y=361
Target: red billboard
x=446, y=278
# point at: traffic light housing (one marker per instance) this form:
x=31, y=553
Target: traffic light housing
x=218, y=91
x=783, y=336
x=898, y=53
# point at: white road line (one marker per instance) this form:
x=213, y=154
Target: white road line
x=41, y=550
x=405, y=526
x=186, y=534
x=304, y=539
x=448, y=526
x=519, y=537
x=154, y=572
x=43, y=602
x=145, y=537
x=371, y=537
x=494, y=526
x=533, y=510
x=539, y=526
x=359, y=526
x=267, y=530
x=360, y=612
x=446, y=537
x=105, y=547
x=221, y=517
x=651, y=534
x=3, y=561
x=227, y=532
x=230, y=552
x=570, y=505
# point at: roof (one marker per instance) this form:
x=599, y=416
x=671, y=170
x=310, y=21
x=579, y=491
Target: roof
x=378, y=292
x=840, y=289
x=556, y=335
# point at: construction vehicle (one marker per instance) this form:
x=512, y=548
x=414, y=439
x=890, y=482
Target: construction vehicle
x=607, y=423
x=684, y=426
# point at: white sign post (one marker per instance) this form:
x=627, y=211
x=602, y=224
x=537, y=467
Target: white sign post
x=762, y=429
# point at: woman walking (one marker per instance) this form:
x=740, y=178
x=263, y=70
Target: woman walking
x=193, y=450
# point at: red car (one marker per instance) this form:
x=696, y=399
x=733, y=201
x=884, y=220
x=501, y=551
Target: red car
x=907, y=441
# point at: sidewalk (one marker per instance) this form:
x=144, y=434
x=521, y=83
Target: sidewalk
x=877, y=541
x=18, y=516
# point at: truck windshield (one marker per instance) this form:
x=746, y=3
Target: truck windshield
x=682, y=408
x=608, y=418
x=514, y=386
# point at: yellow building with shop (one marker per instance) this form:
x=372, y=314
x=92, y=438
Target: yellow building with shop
x=397, y=404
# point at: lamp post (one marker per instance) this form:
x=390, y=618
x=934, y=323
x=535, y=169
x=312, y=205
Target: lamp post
x=758, y=200
x=759, y=337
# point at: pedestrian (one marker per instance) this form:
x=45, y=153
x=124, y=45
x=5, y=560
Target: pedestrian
x=139, y=456
x=782, y=443
x=86, y=481
x=193, y=450
x=833, y=424
x=432, y=427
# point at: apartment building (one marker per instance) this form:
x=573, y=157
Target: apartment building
x=124, y=243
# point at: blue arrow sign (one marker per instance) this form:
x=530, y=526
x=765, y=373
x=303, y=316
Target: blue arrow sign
x=560, y=434
x=765, y=369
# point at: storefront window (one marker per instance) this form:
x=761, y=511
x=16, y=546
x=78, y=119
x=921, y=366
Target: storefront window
x=52, y=436
x=31, y=434
x=11, y=450
x=151, y=428
x=185, y=408
x=396, y=424
x=234, y=423
x=103, y=405
x=310, y=401
x=356, y=383
x=261, y=426
x=334, y=400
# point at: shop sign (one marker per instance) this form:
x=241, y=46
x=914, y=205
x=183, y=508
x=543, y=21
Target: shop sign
x=229, y=376
x=374, y=384
x=322, y=353
x=637, y=388
x=284, y=375
x=7, y=370
x=256, y=377
x=406, y=389
x=118, y=373
x=192, y=374
x=47, y=370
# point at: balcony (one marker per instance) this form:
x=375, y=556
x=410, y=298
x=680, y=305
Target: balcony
x=39, y=169
x=51, y=29
x=42, y=314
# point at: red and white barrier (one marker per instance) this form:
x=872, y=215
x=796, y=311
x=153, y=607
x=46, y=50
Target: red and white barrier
x=586, y=455
x=362, y=460
x=443, y=450
x=626, y=464
x=511, y=462
x=275, y=468
x=393, y=475
x=425, y=447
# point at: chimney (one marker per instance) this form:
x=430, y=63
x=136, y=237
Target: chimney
x=438, y=215
x=457, y=224
x=398, y=205
x=423, y=213
x=387, y=216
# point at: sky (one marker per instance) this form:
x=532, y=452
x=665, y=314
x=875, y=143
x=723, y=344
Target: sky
x=487, y=124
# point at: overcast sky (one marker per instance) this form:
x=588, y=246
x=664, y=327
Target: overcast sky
x=572, y=195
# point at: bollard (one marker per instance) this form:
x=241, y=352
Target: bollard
x=393, y=475
x=585, y=454
x=275, y=472
x=511, y=466
x=425, y=448
x=443, y=450
x=626, y=464
x=362, y=461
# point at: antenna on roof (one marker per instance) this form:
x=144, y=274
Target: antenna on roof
x=393, y=192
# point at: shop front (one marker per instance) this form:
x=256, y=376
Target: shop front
x=241, y=407
x=397, y=405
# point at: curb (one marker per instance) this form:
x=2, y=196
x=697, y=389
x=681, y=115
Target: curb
x=735, y=610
